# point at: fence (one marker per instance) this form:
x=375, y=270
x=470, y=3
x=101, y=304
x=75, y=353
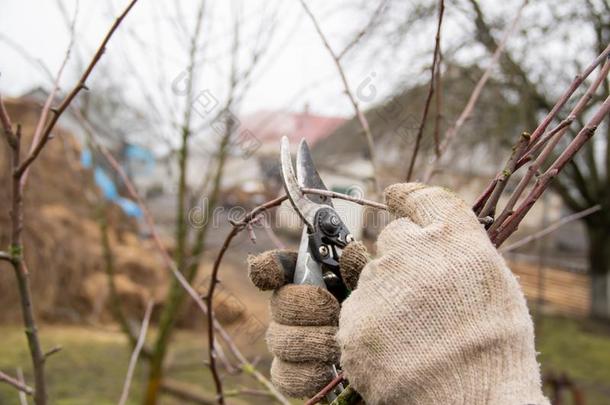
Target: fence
x=565, y=290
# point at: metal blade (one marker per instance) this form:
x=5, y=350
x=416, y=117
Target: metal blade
x=308, y=176
x=304, y=207
x=307, y=270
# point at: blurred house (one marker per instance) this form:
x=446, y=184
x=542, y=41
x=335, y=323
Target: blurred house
x=476, y=155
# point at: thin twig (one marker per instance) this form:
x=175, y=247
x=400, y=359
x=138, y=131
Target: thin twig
x=433, y=71
x=452, y=132
x=237, y=227
x=136, y=353
x=367, y=28
x=438, y=98
x=16, y=383
x=359, y=114
x=23, y=399
x=52, y=351
x=552, y=228
x=324, y=391
x=50, y=99
x=247, y=391
x=80, y=85
x=346, y=197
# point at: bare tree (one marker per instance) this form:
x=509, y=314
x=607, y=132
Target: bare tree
x=19, y=169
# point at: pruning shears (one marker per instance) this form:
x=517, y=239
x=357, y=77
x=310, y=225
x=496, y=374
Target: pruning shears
x=324, y=233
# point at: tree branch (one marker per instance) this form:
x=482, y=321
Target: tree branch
x=452, y=132
x=552, y=228
x=328, y=388
x=136, y=353
x=552, y=141
x=16, y=383
x=80, y=85
x=359, y=114
x=346, y=197
x=511, y=224
x=433, y=71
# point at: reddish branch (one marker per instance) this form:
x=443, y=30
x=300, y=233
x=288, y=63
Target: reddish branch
x=543, y=181
x=433, y=75
x=554, y=136
x=541, y=144
x=324, y=391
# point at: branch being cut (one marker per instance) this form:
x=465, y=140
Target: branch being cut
x=328, y=388
x=359, y=114
x=346, y=197
x=433, y=75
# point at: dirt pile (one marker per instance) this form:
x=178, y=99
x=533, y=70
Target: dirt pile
x=62, y=237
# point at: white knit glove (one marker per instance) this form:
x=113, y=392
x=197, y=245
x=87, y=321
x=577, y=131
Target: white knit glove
x=438, y=318
x=304, y=320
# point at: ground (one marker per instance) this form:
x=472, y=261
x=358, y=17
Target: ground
x=91, y=367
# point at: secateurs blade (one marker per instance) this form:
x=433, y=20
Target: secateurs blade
x=324, y=233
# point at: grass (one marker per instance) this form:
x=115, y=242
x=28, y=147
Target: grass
x=91, y=367
x=581, y=350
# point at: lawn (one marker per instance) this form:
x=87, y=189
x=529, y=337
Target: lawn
x=91, y=367
x=581, y=349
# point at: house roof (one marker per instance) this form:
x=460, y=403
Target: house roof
x=269, y=126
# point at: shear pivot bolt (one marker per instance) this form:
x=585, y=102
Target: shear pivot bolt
x=349, y=238
x=323, y=250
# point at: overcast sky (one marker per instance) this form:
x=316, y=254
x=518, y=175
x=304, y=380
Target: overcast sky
x=294, y=71
x=149, y=52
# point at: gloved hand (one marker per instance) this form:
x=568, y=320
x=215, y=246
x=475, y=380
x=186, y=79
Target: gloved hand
x=301, y=335
x=437, y=318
